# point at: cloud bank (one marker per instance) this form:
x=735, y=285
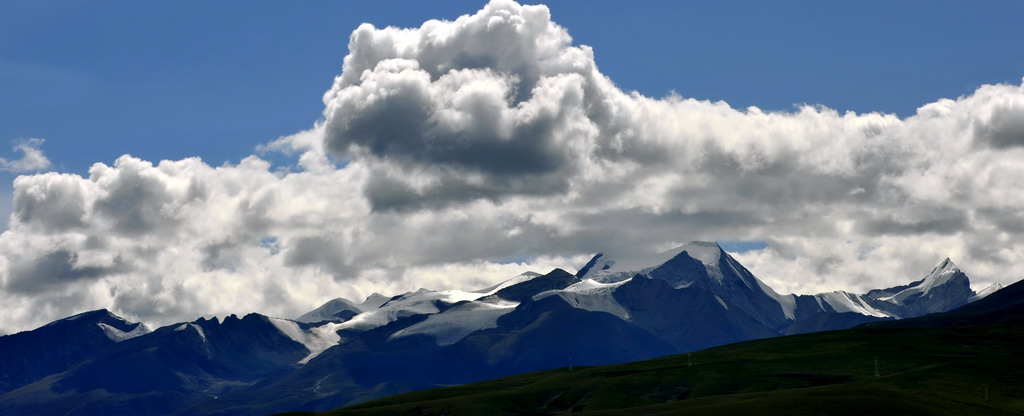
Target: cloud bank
x=463, y=152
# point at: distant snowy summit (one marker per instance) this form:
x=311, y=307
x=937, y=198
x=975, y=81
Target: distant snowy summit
x=700, y=268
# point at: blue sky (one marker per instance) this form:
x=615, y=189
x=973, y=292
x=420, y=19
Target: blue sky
x=167, y=80
x=472, y=151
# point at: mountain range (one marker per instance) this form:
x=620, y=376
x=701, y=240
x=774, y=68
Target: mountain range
x=612, y=310
x=962, y=362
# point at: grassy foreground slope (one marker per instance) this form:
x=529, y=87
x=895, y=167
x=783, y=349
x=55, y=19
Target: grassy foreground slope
x=969, y=362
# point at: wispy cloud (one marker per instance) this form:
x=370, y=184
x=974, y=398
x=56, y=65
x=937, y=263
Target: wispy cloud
x=32, y=159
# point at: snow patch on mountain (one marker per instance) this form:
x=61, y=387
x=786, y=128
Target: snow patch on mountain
x=457, y=322
x=316, y=339
x=118, y=335
x=468, y=315
x=510, y=282
x=722, y=302
x=591, y=295
x=373, y=302
x=416, y=303
x=847, y=302
x=456, y=296
x=198, y=329
x=379, y=310
x=787, y=302
x=993, y=288
x=329, y=311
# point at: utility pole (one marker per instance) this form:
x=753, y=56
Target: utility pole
x=689, y=360
x=570, y=362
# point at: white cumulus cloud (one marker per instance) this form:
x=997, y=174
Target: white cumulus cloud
x=463, y=152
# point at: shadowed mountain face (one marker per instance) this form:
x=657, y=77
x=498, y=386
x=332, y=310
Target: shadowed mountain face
x=689, y=318
x=611, y=311
x=29, y=356
x=163, y=372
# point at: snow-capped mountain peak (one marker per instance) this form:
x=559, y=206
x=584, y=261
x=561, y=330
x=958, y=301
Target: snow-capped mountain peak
x=115, y=328
x=372, y=302
x=510, y=282
x=609, y=269
x=945, y=266
x=596, y=264
x=940, y=275
x=709, y=253
x=944, y=288
x=334, y=310
x=341, y=309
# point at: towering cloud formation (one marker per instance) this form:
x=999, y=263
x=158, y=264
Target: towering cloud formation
x=461, y=152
